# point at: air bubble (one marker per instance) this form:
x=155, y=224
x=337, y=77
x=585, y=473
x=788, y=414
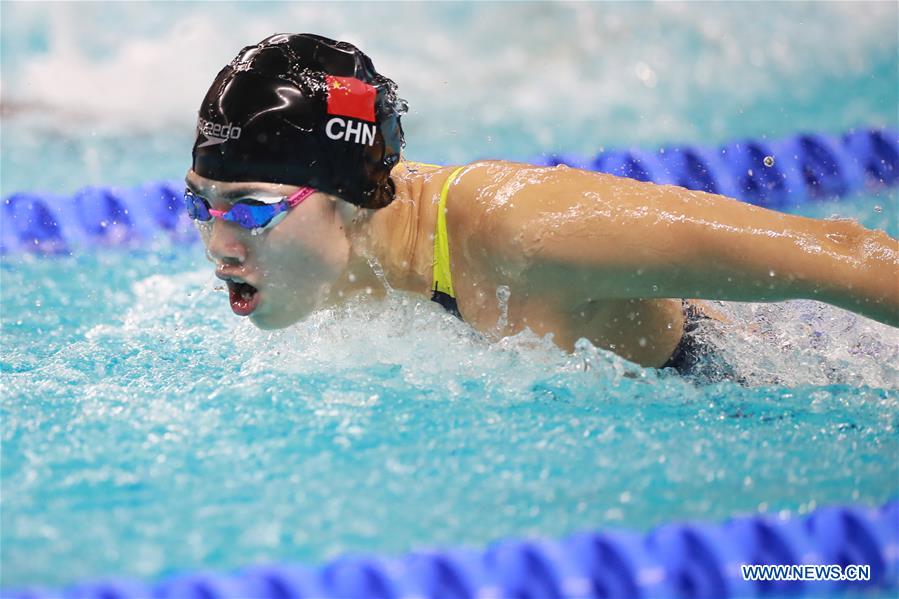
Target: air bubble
x=768, y=161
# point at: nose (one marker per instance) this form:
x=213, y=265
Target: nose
x=225, y=244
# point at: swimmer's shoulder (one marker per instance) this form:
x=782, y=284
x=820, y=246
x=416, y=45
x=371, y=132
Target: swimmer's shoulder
x=500, y=199
x=498, y=183
x=493, y=202
x=484, y=180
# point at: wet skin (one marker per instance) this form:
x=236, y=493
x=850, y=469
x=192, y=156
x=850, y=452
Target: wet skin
x=581, y=254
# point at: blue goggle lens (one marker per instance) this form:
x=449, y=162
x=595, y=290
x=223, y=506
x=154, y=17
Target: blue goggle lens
x=197, y=208
x=252, y=215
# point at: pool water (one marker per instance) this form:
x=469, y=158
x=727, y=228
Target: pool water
x=146, y=430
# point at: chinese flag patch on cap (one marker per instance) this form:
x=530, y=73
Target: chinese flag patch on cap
x=348, y=96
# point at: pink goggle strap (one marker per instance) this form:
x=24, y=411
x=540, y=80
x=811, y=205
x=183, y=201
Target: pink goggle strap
x=300, y=195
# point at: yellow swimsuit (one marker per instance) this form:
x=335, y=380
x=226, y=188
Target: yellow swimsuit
x=443, y=280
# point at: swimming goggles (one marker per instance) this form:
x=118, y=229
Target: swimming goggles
x=248, y=213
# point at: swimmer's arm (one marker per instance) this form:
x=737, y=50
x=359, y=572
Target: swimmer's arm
x=666, y=241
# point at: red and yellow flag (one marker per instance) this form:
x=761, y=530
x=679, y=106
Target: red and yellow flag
x=348, y=96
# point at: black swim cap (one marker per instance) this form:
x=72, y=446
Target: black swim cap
x=302, y=109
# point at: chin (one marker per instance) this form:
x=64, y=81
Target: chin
x=271, y=322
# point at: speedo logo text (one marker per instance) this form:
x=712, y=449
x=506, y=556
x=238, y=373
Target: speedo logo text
x=216, y=133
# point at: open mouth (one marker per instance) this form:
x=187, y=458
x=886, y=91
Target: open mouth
x=244, y=297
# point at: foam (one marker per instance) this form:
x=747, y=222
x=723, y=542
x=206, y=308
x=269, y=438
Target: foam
x=790, y=344
x=799, y=343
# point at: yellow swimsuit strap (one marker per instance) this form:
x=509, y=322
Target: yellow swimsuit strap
x=443, y=279
x=413, y=162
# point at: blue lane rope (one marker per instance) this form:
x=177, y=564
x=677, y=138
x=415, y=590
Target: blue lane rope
x=94, y=216
x=775, y=174
x=677, y=560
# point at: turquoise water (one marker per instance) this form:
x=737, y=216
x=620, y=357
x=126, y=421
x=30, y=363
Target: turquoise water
x=146, y=430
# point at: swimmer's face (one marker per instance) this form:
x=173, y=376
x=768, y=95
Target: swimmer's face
x=281, y=274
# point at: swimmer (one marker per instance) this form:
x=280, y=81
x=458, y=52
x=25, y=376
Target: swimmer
x=300, y=193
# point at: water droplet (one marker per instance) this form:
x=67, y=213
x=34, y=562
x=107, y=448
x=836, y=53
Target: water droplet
x=771, y=273
x=655, y=288
x=769, y=161
x=646, y=74
x=503, y=293
x=642, y=341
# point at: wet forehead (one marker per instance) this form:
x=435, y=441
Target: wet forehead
x=224, y=190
